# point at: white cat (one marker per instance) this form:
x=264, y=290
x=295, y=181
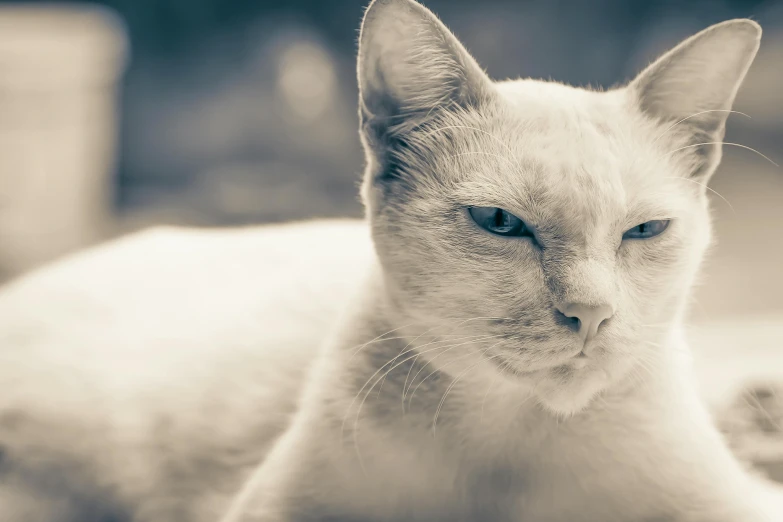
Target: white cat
x=503, y=342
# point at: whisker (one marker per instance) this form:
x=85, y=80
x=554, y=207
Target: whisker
x=447, y=323
x=698, y=304
x=358, y=348
x=410, y=399
x=656, y=325
x=761, y=409
x=355, y=433
x=381, y=336
x=451, y=386
x=693, y=116
x=706, y=187
x=468, y=127
x=484, y=154
x=379, y=370
x=723, y=143
x=600, y=399
x=637, y=376
x=474, y=338
x=489, y=388
x=367, y=394
x=647, y=362
x=405, y=384
x=531, y=394
x=364, y=399
x=383, y=379
x=404, y=392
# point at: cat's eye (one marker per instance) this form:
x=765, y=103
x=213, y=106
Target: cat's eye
x=647, y=230
x=499, y=221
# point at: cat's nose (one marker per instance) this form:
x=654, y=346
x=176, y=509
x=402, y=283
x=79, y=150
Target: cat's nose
x=586, y=319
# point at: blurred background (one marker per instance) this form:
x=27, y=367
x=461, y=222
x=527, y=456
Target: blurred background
x=127, y=113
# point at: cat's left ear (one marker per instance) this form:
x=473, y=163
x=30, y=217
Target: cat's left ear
x=695, y=84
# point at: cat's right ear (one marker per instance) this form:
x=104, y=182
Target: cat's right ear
x=409, y=66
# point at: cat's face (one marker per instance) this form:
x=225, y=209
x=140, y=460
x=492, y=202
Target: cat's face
x=554, y=232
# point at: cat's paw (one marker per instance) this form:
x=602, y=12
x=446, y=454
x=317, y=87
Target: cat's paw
x=753, y=427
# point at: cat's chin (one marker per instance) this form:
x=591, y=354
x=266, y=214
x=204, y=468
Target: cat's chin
x=566, y=387
x=567, y=393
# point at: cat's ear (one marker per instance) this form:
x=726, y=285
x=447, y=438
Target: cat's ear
x=409, y=66
x=696, y=83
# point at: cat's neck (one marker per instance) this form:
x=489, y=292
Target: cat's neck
x=387, y=379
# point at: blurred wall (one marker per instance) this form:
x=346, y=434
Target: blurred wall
x=59, y=73
x=243, y=111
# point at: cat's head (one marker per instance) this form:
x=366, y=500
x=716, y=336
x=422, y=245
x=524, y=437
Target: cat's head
x=556, y=229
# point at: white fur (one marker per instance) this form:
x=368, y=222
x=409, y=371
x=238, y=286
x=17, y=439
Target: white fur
x=78, y=352
x=149, y=377
x=154, y=371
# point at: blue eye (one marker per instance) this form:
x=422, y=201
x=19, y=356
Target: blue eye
x=499, y=221
x=647, y=230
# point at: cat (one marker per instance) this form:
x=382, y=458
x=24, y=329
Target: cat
x=500, y=339
x=535, y=246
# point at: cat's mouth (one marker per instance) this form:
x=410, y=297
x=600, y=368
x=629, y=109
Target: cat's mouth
x=510, y=366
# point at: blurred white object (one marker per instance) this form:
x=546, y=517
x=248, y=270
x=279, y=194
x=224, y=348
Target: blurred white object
x=59, y=72
x=736, y=353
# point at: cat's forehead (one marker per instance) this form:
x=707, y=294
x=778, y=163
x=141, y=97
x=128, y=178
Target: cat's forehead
x=569, y=129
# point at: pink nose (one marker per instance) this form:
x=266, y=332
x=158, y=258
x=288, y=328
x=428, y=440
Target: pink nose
x=588, y=318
